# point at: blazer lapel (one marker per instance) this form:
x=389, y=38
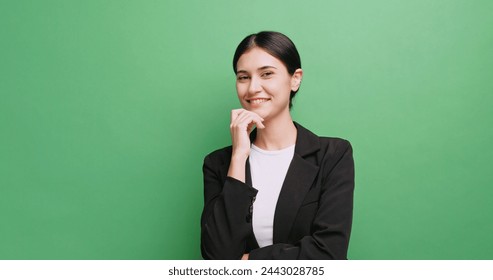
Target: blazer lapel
x=300, y=176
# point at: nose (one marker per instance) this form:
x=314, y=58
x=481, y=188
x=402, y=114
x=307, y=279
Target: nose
x=254, y=86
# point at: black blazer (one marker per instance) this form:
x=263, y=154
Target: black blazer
x=313, y=213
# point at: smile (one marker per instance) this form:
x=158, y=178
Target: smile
x=258, y=100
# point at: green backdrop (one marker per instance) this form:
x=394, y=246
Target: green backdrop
x=108, y=108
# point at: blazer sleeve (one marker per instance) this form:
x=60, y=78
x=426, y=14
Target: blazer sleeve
x=331, y=226
x=226, y=218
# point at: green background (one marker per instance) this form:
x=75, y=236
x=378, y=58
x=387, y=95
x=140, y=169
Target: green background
x=108, y=108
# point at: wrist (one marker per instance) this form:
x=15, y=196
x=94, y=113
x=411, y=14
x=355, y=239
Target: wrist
x=237, y=168
x=239, y=158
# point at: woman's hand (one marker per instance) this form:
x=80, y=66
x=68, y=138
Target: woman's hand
x=242, y=123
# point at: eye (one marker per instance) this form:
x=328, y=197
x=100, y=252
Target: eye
x=242, y=77
x=267, y=74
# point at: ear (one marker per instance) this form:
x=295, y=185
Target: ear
x=296, y=79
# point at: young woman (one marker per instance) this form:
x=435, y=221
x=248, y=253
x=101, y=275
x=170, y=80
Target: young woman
x=280, y=191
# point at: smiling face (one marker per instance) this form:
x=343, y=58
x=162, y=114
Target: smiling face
x=263, y=83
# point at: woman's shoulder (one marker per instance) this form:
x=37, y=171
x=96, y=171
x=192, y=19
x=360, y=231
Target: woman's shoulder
x=325, y=142
x=334, y=142
x=334, y=148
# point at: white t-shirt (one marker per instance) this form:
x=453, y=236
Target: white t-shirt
x=268, y=170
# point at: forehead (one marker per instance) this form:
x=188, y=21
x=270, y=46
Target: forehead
x=257, y=58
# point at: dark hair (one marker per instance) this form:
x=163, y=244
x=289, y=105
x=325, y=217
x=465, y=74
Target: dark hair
x=276, y=44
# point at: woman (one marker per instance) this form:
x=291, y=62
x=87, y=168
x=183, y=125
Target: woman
x=280, y=191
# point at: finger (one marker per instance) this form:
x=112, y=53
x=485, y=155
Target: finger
x=251, y=122
x=258, y=123
x=257, y=116
x=248, y=117
x=238, y=112
x=242, y=120
x=235, y=117
x=245, y=120
x=235, y=113
x=244, y=114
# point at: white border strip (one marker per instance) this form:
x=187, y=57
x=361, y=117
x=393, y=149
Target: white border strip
x=122, y=270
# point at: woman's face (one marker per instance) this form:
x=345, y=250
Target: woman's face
x=263, y=83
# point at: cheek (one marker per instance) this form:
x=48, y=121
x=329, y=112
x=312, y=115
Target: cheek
x=282, y=87
x=240, y=90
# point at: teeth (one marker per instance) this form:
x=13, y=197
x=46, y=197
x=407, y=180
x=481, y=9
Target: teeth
x=258, y=101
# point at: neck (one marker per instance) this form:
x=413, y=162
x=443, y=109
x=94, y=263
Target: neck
x=278, y=134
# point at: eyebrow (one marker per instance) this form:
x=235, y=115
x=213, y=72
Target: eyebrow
x=261, y=68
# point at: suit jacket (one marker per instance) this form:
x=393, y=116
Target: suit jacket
x=313, y=214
